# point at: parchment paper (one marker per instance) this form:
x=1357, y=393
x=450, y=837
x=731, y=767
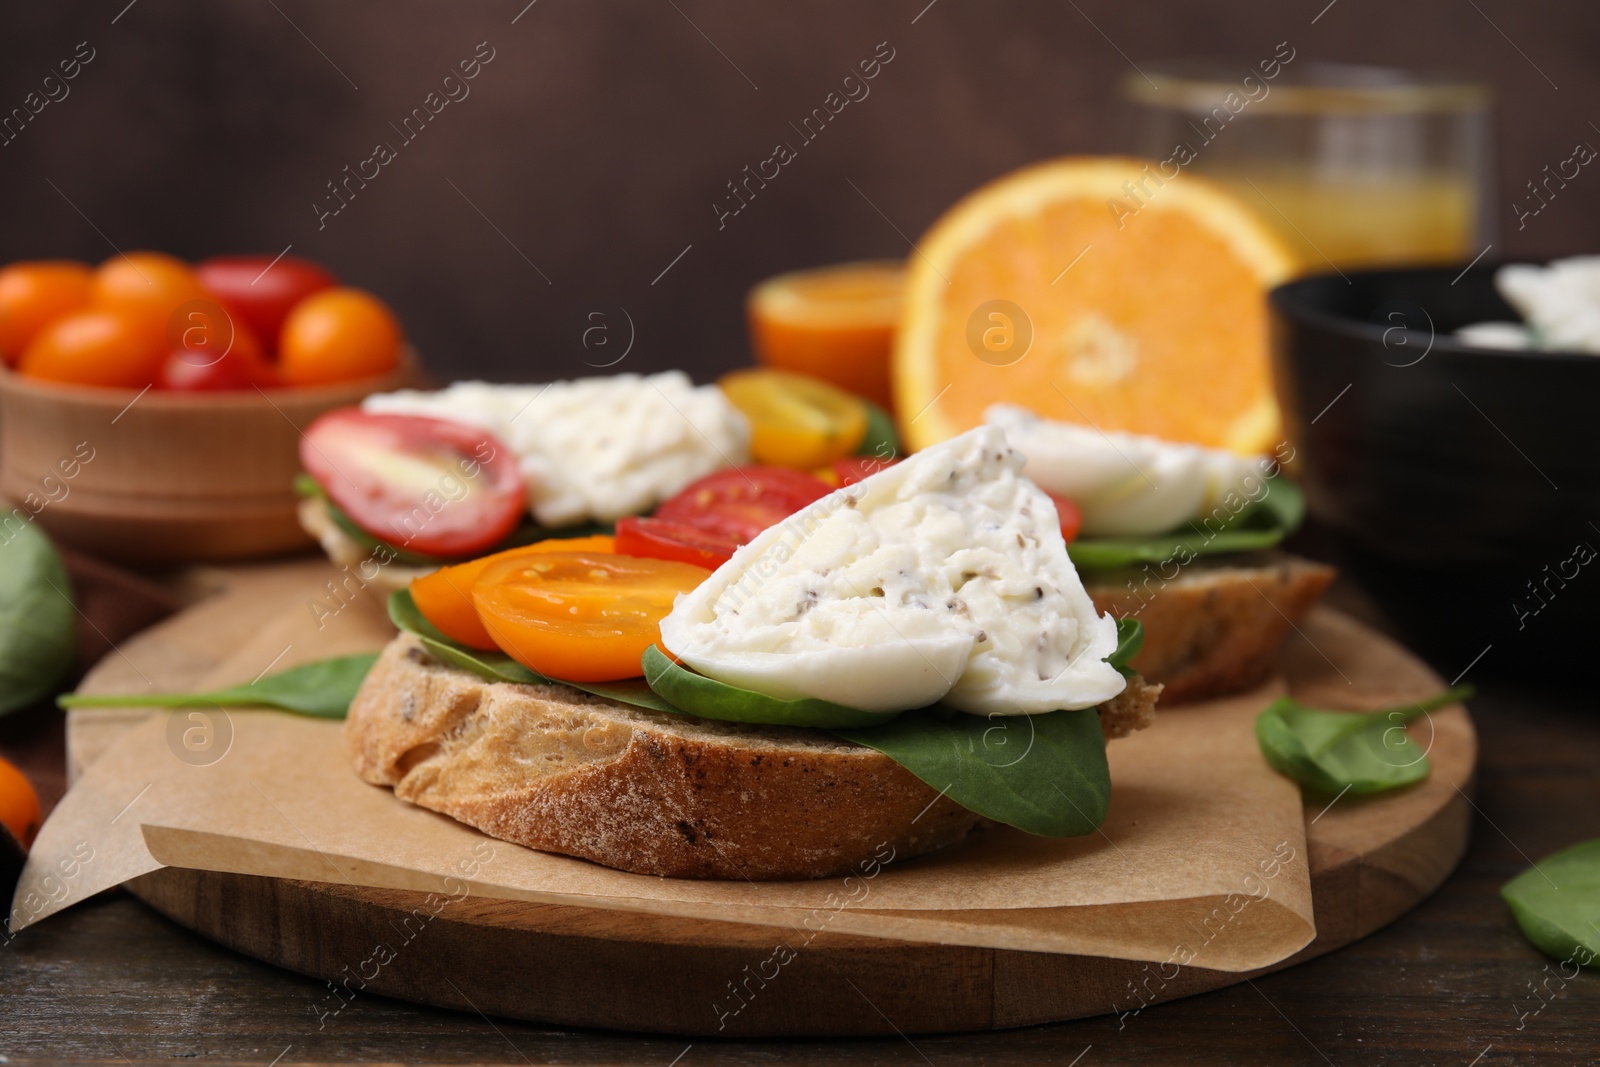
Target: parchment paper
x=1202, y=860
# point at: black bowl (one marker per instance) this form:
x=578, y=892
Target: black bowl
x=1462, y=484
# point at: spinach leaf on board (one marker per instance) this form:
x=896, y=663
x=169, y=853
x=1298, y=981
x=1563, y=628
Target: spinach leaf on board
x=1557, y=904
x=1259, y=525
x=708, y=698
x=1331, y=751
x=37, y=625
x=323, y=689
x=499, y=667
x=1046, y=774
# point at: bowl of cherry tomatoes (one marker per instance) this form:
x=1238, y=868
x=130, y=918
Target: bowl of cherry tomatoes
x=151, y=409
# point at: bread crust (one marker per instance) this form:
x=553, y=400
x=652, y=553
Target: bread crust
x=558, y=770
x=1216, y=626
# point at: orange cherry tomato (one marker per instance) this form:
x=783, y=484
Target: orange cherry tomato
x=19, y=804
x=99, y=346
x=445, y=596
x=338, y=335
x=1071, y=517
x=151, y=285
x=32, y=295
x=580, y=616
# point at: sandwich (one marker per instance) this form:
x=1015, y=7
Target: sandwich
x=893, y=665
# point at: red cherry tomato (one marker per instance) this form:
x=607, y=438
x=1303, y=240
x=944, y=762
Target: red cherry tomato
x=234, y=363
x=1071, y=517
x=660, y=539
x=740, y=502
x=259, y=291
x=425, y=485
x=853, y=469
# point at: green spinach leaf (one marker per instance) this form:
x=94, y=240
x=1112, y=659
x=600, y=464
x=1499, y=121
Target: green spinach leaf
x=37, y=625
x=499, y=667
x=1331, y=751
x=881, y=440
x=1259, y=525
x=1557, y=904
x=1046, y=774
x=708, y=698
x=1130, y=639
x=323, y=689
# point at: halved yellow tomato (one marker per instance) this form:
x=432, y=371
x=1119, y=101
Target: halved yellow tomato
x=445, y=596
x=796, y=421
x=580, y=616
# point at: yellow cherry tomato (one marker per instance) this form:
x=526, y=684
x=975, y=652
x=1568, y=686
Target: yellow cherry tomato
x=580, y=616
x=445, y=596
x=19, y=804
x=796, y=421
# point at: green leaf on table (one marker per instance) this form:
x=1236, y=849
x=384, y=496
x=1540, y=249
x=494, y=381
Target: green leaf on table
x=499, y=667
x=323, y=689
x=1334, y=751
x=37, y=619
x=695, y=694
x=1256, y=526
x=881, y=440
x=1046, y=774
x=1557, y=904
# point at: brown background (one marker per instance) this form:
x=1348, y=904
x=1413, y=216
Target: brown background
x=601, y=133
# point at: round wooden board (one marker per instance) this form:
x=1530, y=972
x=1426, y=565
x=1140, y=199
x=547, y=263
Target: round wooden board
x=1371, y=861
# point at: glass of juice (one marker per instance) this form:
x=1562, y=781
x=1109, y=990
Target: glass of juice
x=1355, y=166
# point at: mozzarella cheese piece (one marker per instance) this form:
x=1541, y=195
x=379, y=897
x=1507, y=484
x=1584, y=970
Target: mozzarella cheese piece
x=595, y=448
x=1127, y=484
x=1561, y=302
x=943, y=577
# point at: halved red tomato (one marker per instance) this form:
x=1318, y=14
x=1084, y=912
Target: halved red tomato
x=580, y=616
x=853, y=469
x=429, y=486
x=661, y=539
x=740, y=502
x=1071, y=517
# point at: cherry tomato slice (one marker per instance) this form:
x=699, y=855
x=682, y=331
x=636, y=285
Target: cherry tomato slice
x=796, y=421
x=1071, y=517
x=260, y=291
x=852, y=469
x=426, y=485
x=445, y=596
x=740, y=502
x=660, y=539
x=32, y=295
x=580, y=616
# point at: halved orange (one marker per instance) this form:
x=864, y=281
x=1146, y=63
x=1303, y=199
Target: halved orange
x=835, y=323
x=1092, y=290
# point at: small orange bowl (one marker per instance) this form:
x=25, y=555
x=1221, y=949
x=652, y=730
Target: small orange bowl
x=163, y=477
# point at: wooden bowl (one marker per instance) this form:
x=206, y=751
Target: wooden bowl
x=163, y=477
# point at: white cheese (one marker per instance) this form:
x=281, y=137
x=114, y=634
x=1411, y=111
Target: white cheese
x=1560, y=302
x=942, y=577
x=1126, y=484
x=595, y=448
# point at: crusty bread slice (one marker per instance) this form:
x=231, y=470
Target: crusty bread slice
x=558, y=770
x=1215, y=626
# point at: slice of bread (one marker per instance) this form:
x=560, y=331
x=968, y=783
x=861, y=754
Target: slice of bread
x=558, y=770
x=1215, y=626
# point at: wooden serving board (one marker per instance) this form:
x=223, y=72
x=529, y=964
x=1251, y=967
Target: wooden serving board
x=1370, y=861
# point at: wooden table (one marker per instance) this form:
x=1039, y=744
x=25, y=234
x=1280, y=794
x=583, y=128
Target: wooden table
x=111, y=980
